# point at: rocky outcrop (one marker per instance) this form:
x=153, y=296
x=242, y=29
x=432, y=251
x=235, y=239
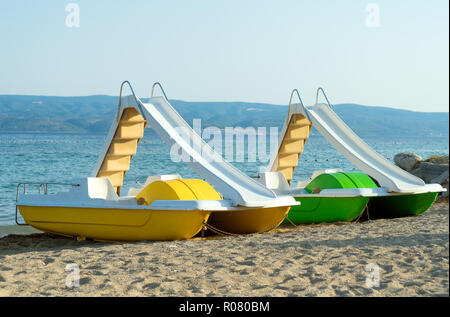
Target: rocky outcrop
x=434, y=170
x=437, y=159
x=407, y=161
x=429, y=171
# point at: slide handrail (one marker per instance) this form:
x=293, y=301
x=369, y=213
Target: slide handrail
x=161, y=88
x=320, y=89
x=120, y=97
x=301, y=103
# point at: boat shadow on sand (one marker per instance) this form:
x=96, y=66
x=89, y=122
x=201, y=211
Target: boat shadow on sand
x=361, y=235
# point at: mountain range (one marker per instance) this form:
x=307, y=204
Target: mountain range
x=94, y=114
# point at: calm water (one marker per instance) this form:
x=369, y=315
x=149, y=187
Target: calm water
x=64, y=158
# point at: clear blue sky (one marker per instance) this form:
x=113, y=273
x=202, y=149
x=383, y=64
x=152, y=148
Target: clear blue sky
x=234, y=50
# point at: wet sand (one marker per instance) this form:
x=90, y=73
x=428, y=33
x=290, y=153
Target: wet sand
x=411, y=256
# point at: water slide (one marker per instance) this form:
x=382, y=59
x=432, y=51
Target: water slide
x=233, y=184
x=228, y=180
x=388, y=175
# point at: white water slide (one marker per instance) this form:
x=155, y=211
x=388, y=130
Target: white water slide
x=228, y=180
x=388, y=175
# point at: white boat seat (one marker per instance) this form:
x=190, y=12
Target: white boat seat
x=155, y=178
x=303, y=184
x=273, y=180
x=134, y=191
x=101, y=188
x=327, y=171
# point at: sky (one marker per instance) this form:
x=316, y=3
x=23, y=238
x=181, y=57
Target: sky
x=377, y=53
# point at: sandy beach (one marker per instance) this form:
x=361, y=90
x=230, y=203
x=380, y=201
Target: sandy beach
x=411, y=256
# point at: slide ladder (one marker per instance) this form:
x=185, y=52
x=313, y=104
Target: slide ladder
x=121, y=142
x=293, y=137
x=129, y=131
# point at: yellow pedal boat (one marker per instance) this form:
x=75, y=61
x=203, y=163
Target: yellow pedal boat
x=167, y=207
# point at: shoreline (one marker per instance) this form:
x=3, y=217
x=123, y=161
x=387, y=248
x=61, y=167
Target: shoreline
x=17, y=230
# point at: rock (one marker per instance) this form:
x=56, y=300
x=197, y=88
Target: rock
x=442, y=179
x=436, y=159
x=407, y=161
x=445, y=185
x=429, y=171
x=433, y=170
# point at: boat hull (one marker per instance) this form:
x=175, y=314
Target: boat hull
x=317, y=209
x=116, y=224
x=248, y=221
x=394, y=206
x=326, y=209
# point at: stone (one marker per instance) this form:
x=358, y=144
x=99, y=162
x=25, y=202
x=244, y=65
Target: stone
x=433, y=170
x=407, y=161
x=436, y=159
x=429, y=171
x=442, y=179
x=445, y=185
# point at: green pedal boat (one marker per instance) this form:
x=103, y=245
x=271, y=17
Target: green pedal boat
x=316, y=207
x=335, y=196
x=385, y=190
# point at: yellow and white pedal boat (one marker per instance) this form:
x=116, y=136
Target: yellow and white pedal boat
x=167, y=207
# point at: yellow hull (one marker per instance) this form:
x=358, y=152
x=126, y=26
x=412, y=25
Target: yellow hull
x=248, y=221
x=116, y=224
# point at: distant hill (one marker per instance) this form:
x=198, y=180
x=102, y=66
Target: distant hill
x=93, y=114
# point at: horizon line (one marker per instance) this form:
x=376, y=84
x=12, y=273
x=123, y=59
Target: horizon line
x=244, y=102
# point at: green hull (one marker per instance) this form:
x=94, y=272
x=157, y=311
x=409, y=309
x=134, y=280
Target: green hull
x=326, y=209
x=401, y=205
x=333, y=209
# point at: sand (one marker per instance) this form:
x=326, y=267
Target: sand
x=410, y=254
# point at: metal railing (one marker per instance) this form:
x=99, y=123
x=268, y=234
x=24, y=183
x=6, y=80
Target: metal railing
x=295, y=91
x=120, y=99
x=41, y=185
x=161, y=88
x=323, y=93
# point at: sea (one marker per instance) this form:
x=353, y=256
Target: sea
x=64, y=158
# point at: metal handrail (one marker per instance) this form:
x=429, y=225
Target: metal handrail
x=326, y=98
x=39, y=189
x=161, y=88
x=301, y=103
x=298, y=95
x=120, y=97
